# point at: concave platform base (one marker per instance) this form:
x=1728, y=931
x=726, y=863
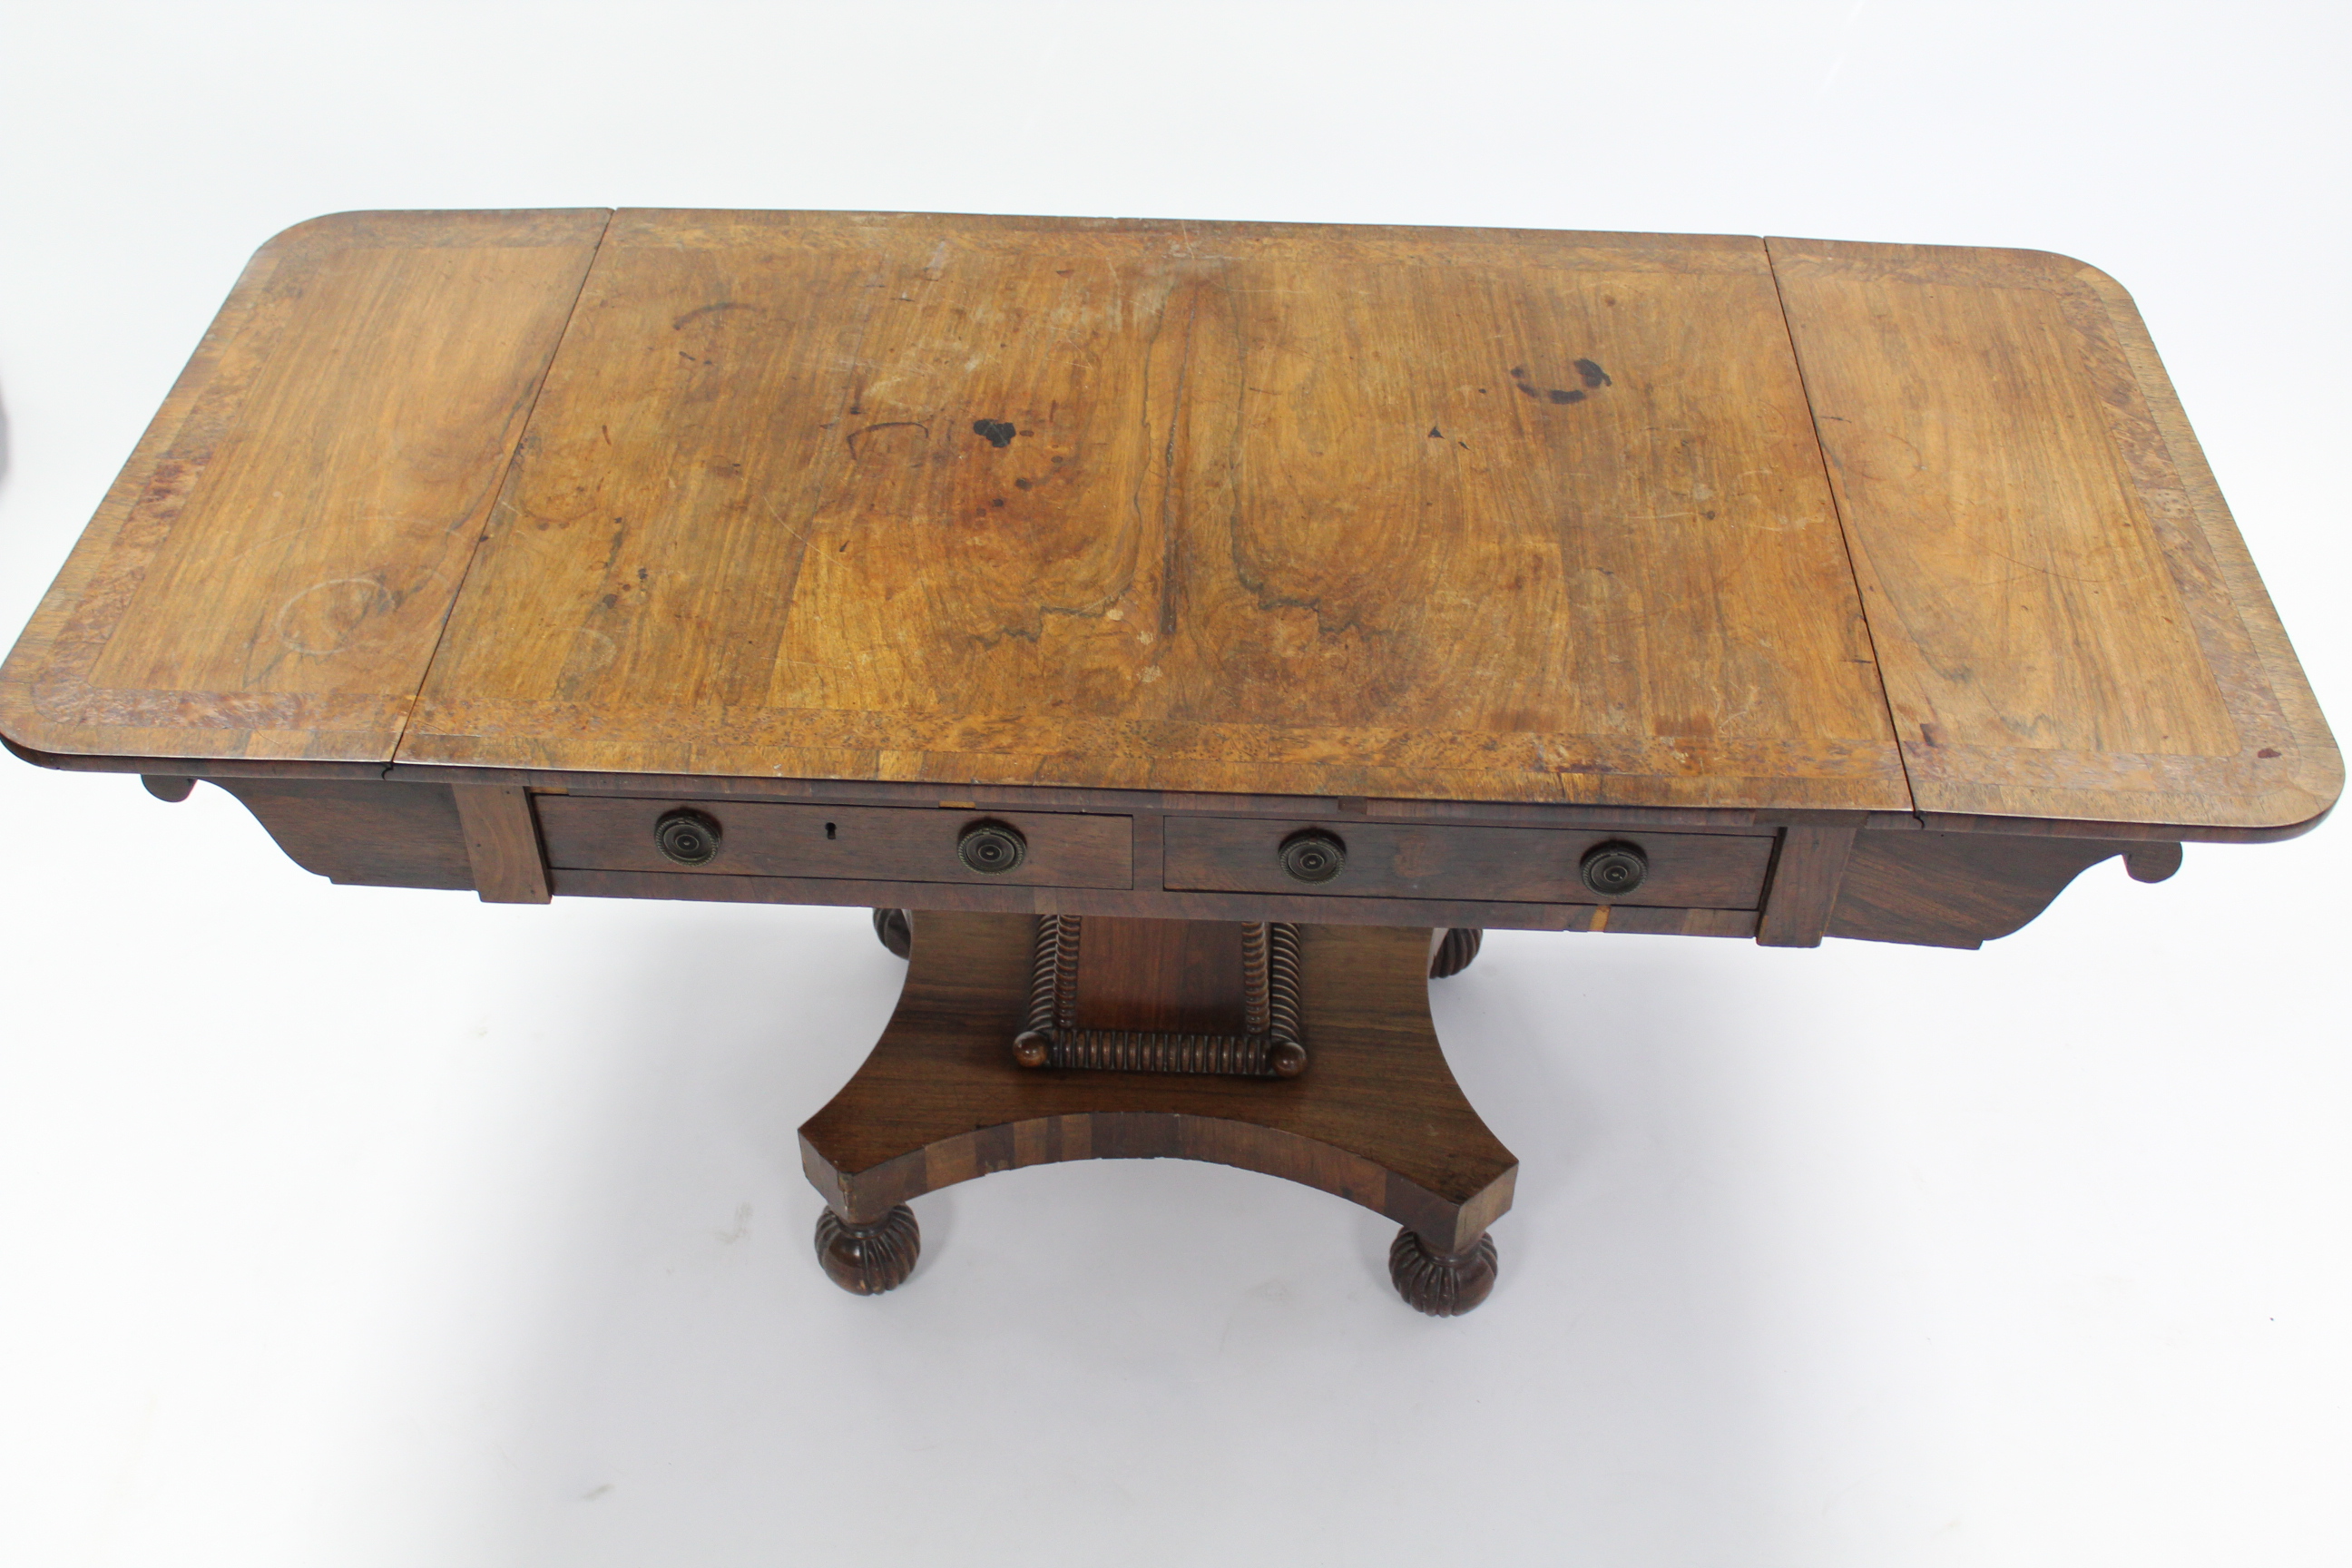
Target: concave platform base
x=1376, y=1118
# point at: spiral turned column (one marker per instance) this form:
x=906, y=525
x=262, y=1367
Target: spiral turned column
x=1267, y=1047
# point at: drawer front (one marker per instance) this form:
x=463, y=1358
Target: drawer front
x=1531, y=865
x=883, y=844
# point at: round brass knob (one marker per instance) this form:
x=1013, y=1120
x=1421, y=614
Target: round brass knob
x=1312, y=854
x=991, y=848
x=686, y=837
x=1613, y=869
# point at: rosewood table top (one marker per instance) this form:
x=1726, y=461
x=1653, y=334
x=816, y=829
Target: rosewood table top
x=1912, y=536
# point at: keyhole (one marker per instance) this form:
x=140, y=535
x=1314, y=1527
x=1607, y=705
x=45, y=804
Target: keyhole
x=828, y=830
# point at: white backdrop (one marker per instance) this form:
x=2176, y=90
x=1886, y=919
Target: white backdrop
x=359, y=1227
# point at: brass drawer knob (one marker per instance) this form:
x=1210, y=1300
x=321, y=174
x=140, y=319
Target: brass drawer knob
x=990, y=849
x=1611, y=869
x=686, y=837
x=1313, y=856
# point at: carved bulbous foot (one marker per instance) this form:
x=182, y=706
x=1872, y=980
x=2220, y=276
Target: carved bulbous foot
x=1455, y=953
x=868, y=1259
x=1439, y=1285
x=896, y=932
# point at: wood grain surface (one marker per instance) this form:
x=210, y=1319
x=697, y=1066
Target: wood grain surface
x=1195, y=510
x=366, y=835
x=1063, y=849
x=1221, y=854
x=1807, y=871
x=2065, y=621
x=1948, y=889
x=1161, y=976
x=269, y=575
x=502, y=843
x=1151, y=904
x=1446, y=513
x=1961, y=890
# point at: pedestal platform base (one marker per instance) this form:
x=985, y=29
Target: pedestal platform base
x=1376, y=1118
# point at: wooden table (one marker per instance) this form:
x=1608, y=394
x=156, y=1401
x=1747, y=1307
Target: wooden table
x=1205, y=629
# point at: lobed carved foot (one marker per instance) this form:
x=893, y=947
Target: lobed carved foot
x=1437, y=1284
x=894, y=930
x=1455, y=953
x=868, y=1259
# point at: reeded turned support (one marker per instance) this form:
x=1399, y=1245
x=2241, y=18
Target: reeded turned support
x=1267, y=1045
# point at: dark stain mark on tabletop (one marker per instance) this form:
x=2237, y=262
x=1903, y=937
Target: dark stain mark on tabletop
x=1591, y=374
x=997, y=433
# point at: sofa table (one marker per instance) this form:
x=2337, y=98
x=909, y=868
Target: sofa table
x=1186, y=637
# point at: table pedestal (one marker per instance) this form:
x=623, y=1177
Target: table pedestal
x=1372, y=1115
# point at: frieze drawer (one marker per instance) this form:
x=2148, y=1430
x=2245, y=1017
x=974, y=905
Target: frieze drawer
x=882, y=844
x=1530, y=864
